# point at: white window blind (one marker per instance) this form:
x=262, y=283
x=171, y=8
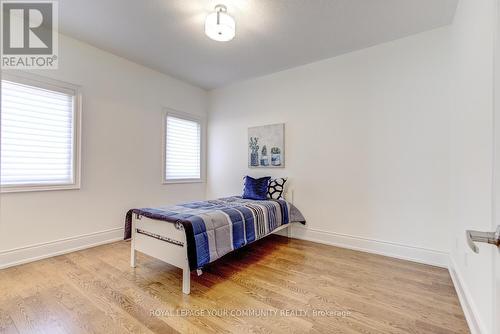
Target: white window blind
x=182, y=149
x=37, y=136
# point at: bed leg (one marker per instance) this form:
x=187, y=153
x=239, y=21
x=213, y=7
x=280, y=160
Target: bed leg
x=289, y=231
x=186, y=281
x=133, y=255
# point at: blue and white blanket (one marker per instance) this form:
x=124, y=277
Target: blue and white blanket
x=217, y=227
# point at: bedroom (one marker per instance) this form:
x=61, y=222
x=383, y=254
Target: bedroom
x=381, y=115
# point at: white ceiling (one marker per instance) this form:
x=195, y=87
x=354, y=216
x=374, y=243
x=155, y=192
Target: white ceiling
x=271, y=35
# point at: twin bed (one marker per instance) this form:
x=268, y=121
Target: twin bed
x=191, y=235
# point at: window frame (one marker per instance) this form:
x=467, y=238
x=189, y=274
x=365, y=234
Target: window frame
x=188, y=117
x=61, y=87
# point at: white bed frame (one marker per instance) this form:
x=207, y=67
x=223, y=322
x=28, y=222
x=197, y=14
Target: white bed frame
x=167, y=242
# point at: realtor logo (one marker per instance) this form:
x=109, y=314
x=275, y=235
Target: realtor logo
x=29, y=34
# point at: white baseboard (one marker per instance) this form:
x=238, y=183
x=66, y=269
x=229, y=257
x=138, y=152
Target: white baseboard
x=17, y=256
x=472, y=316
x=399, y=251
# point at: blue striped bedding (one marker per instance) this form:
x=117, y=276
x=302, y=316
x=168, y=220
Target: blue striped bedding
x=217, y=227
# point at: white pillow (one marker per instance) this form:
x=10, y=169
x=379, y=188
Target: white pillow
x=276, y=188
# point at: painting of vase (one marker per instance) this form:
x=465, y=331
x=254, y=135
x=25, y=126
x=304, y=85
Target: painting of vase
x=266, y=146
x=253, y=146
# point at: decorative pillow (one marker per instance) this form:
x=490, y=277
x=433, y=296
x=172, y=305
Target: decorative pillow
x=276, y=188
x=256, y=188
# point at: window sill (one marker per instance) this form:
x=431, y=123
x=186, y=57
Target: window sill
x=183, y=181
x=31, y=188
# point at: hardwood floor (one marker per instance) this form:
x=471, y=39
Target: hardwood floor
x=95, y=291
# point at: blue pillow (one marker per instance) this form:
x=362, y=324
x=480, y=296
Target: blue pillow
x=256, y=188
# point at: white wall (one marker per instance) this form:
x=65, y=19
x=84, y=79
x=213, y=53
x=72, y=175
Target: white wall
x=121, y=155
x=471, y=153
x=367, y=144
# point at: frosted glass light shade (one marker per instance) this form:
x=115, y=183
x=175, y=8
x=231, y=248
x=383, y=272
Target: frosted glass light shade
x=220, y=26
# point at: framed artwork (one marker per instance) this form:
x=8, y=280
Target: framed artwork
x=266, y=146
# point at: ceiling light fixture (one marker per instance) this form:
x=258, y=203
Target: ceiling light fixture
x=219, y=25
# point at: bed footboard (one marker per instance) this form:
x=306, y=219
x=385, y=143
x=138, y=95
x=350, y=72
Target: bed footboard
x=163, y=241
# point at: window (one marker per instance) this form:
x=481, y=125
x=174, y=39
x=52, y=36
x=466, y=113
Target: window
x=182, y=153
x=39, y=146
